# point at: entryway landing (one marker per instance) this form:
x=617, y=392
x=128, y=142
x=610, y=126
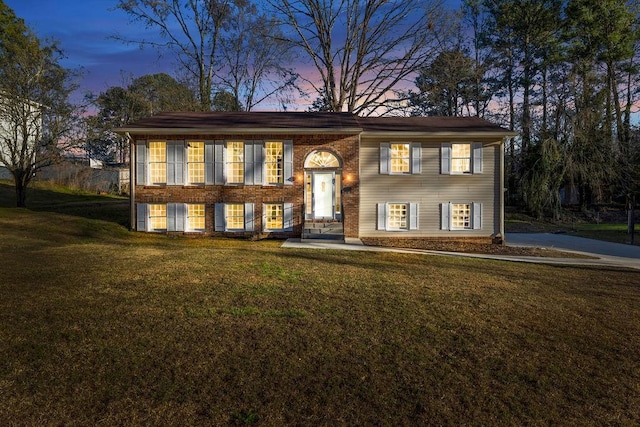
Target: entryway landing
x=330, y=230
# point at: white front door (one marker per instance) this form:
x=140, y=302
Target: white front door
x=323, y=193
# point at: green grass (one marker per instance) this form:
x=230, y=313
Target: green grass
x=103, y=326
x=616, y=232
x=46, y=197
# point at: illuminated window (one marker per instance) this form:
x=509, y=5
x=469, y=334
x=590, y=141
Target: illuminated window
x=195, y=217
x=157, y=217
x=274, y=157
x=461, y=158
x=235, y=162
x=460, y=216
x=400, y=158
x=158, y=162
x=397, y=216
x=195, y=162
x=322, y=159
x=273, y=217
x=234, y=216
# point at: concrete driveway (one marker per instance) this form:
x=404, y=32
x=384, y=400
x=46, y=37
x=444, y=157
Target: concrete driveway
x=609, y=253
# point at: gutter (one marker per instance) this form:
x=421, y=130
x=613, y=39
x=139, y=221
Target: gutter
x=132, y=187
x=236, y=131
x=502, y=190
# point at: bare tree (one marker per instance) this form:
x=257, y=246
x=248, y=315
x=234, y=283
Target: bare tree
x=255, y=60
x=192, y=28
x=361, y=50
x=37, y=122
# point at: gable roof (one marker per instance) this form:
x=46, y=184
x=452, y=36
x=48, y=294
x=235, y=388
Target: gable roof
x=310, y=123
x=243, y=122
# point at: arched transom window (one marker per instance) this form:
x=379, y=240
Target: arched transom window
x=322, y=159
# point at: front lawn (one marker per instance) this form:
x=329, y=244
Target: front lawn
x=104, y=326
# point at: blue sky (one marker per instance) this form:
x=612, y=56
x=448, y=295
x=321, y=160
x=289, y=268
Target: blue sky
x=84, y=29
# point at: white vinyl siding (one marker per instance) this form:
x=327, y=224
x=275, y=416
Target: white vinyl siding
x=428, y=190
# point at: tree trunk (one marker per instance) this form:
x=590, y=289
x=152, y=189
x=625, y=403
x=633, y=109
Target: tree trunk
x=631, y=222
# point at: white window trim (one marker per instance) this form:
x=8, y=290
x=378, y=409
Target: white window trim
x=415, y=158
x=475, y=216
x=413, y=219
x=476, y=158
x=220, y=218
x=287, y=217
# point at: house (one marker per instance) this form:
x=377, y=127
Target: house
x=317, y=175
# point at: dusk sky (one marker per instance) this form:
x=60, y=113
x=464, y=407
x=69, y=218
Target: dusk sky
x=84, y=30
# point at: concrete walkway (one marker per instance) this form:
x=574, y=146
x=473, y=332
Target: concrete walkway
x=605, y=253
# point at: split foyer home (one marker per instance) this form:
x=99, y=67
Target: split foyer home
x=317, y=175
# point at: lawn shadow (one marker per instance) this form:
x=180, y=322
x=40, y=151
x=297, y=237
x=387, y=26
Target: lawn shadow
x=72, y=202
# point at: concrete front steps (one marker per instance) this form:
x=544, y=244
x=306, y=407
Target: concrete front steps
x=323, y=230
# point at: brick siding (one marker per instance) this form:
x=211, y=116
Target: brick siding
x=345, y=147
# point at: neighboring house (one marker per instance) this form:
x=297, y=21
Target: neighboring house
x=20, y=129
x=314, y=175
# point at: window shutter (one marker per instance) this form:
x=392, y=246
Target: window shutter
x=248, y=163
x=258, y=162
x=171, y=217
x=445, y=213
x=209, y=162
x=476, y=211
x=288, y=162
x=248, y=217
x=175, y=163
x=219, y=223
x=181, y=216
x=141, y=218
x=413, y=216
x=141, y=162
x=288, y=217
x=219, y=176
x=416, y=158
x=176, y=216
x=385, y=158
x=445, y=159
x=477, y=157
x=382, y=216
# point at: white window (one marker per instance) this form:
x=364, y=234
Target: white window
x=157, y=217
x=195, y=162
x=158, y=162
x=397, y=216
x=195, y=217
x=277, y=217
x=233, y=217
x=274, y=219
x=274, y=162
x=400, y=158
x=461, y=158
x=461, y=216
x=235, y=162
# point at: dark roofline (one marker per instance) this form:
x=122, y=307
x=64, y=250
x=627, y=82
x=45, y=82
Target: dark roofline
x=173, y=123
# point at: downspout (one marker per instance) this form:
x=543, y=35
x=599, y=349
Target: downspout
x=502, y=191
x=132, y=187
